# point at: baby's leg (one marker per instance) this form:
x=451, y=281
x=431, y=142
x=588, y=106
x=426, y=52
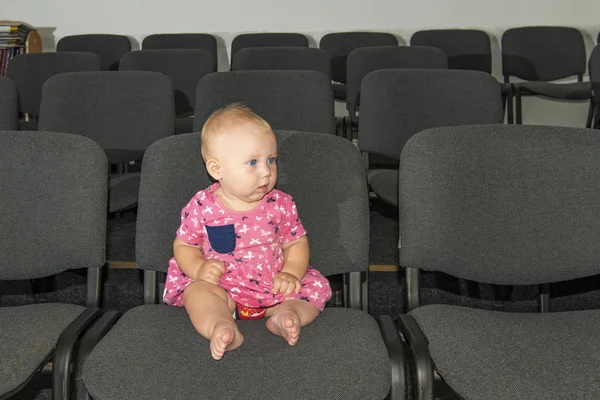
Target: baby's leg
x=287, y=318
x=210, y=310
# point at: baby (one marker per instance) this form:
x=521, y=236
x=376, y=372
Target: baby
x=241, y=249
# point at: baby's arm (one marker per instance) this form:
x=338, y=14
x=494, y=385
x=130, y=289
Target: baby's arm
x=296, y=255
x=191, y=261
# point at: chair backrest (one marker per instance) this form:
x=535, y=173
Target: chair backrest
x=53, y=208
x=30, y=71
x=465, y=48
x=9, y=108
x=200, y=41
x=340, y=44
x=543, y=53
x=282, y=58
x=185, y=67
x=125, y=110
x=110, y=48
x=337, y=225
x=267, y=40
x=504, y=204
x=594, y=69
x=368, y=59
x=398, y=103
x=288, y=100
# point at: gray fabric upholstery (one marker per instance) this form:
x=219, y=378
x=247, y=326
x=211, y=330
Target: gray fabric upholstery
x=542, y=53
x=292, y=100
x=339, y=91
x=364, y=60
x=399, y=103
x=384, y=182
x=466, y=48
x=185, y=67
x=110, y=48
x=123, y=191
x=282, y=58
x=497, y=355
x=513, y=205
x=565, y=91
x=53, y=207
x=202, y=41
x=9, y=109
x=339, y=356
x=119, y=110
x=184, y=124
x=28, y=336
x=30, y=71
x=173, y=172
x=340, y=44
x=268, y=39
x=594, y=69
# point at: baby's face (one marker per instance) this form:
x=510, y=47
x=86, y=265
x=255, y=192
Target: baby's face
x=247, y=155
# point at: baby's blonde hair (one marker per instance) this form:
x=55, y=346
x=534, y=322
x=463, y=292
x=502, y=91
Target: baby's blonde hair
x=225, y=118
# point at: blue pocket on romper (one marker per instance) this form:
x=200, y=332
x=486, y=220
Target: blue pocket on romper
x=221, y=238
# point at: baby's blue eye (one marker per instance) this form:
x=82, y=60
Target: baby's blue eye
x=252, y=163
x=271, y=160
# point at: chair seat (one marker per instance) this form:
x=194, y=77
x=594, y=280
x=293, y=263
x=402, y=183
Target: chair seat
x=184, y=124
x=123, y=192
x=153, y=352
x=339, y=91
x=31, y=125
x=384, y=182
x=565, y=91
x=498, y=355
x=28, y=336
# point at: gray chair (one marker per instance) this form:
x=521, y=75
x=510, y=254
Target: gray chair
x=110, y=48
x=185, y=67
x=541, y=54
x=288, y=100
x=9, y=105
x=53, y=213
x=502, y=204
x=124, y=112
x=30, y=71
x=341, y=355
x=268, y=39
x=340, y=44
x=368, y=59
x=200, y=41
x=594, y=68
x=282, y=58
x=398, y=103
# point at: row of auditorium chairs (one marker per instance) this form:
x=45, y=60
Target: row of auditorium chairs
x=503, y=204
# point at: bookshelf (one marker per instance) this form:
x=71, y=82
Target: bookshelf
x=17, y=37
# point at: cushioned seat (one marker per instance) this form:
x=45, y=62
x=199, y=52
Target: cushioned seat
x=566, y=91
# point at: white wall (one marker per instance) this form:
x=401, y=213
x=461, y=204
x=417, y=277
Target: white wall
x=139, y=18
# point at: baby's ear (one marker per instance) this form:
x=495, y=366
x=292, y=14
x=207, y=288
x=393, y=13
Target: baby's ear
x=214, y=169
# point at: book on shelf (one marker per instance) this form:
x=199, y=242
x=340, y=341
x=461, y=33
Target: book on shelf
x=16, y=38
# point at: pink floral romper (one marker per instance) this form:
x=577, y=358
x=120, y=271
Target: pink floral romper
x=249, y=244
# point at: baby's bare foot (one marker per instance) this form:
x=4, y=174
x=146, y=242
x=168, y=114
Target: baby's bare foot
x=225, y=337
x=286, y=324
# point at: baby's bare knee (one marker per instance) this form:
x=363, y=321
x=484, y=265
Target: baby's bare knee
x=200, y=289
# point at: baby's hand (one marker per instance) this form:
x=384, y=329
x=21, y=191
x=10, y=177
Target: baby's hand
x=211, y=271
x=285, y=284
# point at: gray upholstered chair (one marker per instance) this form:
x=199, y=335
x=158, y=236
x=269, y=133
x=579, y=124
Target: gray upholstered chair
x=594, y=68
x=340, y=44
x=502, y=204
x=267, y=39
x=397, y=104
x=200, y=41
x=341, y=355
x=30, y=71
x=9, y=105
x=123, y=111
x=110, y=48
x=292, y=100
x=185, y=67
x=53, y=213
x=282, y=58
x=368, y=59
x=541, y=54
